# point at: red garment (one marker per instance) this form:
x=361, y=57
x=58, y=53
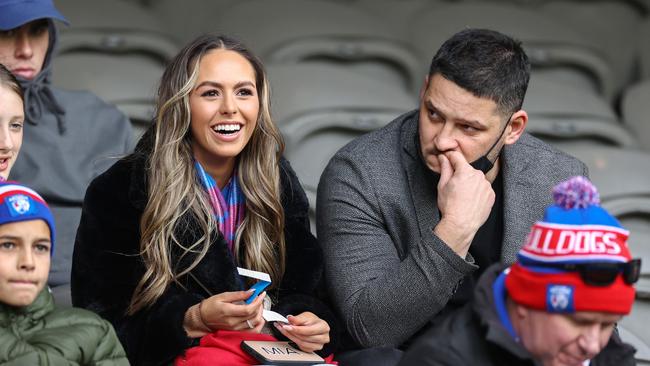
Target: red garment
x=223, y=347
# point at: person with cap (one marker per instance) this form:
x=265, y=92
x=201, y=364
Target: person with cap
x=409, y=216
x=33, y=331
x=70, y=136
x=557, y=305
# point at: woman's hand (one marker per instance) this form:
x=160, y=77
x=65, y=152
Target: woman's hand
x=309, y=332
x=227, y=311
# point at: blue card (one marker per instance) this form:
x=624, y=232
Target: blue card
x=259, y=286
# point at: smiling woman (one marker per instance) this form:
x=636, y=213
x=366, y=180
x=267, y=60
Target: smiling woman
x=12, y=118
x=206, y=191
x=224, y=106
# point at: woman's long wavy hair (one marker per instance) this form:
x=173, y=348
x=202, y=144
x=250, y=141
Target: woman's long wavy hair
x=175, y=191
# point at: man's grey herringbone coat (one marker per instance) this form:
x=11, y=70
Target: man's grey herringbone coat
x=386, y=271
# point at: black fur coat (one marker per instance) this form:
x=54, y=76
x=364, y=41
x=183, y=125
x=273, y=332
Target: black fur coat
x=106, y=265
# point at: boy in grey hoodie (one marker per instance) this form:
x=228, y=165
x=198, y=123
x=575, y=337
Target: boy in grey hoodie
x=70, y=136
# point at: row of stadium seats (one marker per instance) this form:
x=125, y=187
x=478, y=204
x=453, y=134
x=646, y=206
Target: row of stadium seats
x=135, y=46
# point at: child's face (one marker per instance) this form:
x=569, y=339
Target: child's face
x=12, y=116
x=24, y=261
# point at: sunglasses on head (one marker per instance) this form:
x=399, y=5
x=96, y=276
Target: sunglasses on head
x=601, y=273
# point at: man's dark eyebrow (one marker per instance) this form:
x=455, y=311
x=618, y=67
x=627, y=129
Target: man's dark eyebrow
x=477, y=123
x=433, y=107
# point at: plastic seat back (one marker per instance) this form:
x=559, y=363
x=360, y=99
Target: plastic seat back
x=290, y=31
x=320, y=108
x=548, y=43
x=128, y=81
x=113, y=27
x=636, y=111
x=560, y=112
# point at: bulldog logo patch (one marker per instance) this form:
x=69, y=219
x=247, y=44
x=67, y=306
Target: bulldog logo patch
x=19, y=205
x=559, y=299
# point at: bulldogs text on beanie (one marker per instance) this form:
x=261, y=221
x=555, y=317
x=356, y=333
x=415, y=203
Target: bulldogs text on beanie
x=576, y=258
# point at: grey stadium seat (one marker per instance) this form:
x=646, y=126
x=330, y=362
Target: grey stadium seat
x=644, y=48
x=552, y=47
x=115, y=49
x=128, y=81
x=288, y=31
x=612, y=37
x=187, y=19
x=113, y=27
x=641, y=6
x=636, y=111
x=396, y=14
x=320, y=108
x=644, y=5
x=559, y=111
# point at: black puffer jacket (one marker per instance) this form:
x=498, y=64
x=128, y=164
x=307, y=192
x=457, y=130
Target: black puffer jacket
x=107, y=267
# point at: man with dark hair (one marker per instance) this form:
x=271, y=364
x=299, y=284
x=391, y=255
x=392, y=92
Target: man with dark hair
x=410, y=215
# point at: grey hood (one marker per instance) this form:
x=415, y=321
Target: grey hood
x=39, y=98
x=70, y=137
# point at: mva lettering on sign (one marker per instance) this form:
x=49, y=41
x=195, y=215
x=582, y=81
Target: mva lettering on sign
x=281, y=351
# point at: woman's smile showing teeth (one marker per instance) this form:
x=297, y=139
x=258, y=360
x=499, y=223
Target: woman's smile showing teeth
x=227, y=128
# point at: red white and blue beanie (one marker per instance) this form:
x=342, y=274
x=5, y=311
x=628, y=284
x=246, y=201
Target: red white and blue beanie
x=20, y=203
x=576, y=229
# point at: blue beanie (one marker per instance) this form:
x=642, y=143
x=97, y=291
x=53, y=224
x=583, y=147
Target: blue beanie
x=575, y=230
x=20, y=203
x=15, y=13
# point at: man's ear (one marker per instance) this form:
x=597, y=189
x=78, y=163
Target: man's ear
x=517, y=126
x=521, y=311
x=424, y=87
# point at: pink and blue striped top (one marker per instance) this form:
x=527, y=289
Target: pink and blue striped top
x=228, y=204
